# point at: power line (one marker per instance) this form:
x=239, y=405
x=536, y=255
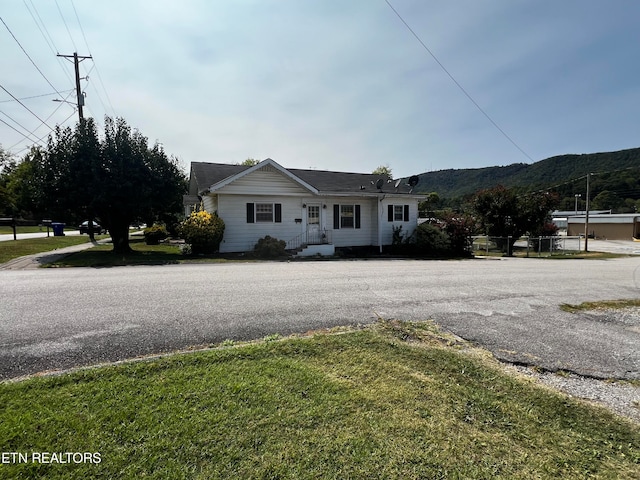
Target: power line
x=458, y=83
x=39, y=96
x=47, y=38
x=29, y=57
x=15, y=129
x=94, y=64
x=30, y=111
x=66, y=26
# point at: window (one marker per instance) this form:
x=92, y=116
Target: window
x=313, y=215
x=264, y=212
x=398, y=213
x=346, y=216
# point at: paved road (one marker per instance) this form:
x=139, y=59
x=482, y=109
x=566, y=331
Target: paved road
x=59, y=318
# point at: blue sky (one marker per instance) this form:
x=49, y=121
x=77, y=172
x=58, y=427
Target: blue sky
x=333, y=84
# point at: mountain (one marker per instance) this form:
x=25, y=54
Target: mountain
x=543, y=174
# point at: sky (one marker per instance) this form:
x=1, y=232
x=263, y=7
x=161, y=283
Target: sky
x=341, y=85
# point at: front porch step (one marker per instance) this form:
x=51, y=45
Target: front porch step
x=324, y=249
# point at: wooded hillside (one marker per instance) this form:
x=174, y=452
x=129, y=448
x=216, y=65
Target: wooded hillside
x=617, y=175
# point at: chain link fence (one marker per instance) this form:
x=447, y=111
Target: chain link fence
x=526, y=246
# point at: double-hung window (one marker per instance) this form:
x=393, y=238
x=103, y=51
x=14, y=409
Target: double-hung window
x=346, y=216
x=264, y=212
x=398, y=213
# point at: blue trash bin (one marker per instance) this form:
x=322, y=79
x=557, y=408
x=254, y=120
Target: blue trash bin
x=58, y=229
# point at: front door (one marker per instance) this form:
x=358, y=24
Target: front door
x=313, y=224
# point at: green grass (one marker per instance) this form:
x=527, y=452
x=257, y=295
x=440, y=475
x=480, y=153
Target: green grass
x=605, y=304
x=103, y=256
x=5, y=230
x=143, y=254
x=17, y=248
x=391, y=401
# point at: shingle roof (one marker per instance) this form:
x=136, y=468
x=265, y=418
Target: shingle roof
x=204, y=175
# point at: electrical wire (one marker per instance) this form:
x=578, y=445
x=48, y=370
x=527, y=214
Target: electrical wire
x=66, y=26
x=30, y=111
x=94, y=64
x=462, y=89
x=47, y=38
x=29, y=57
x=39, y=96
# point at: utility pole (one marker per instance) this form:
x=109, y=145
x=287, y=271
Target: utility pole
x=80, y=97
x=80, y=103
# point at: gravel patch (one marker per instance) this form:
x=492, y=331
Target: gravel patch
x=623, y=398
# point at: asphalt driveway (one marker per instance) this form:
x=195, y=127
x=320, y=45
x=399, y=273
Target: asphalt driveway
x=59, y=318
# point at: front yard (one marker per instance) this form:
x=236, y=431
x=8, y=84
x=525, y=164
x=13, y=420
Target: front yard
x=395, y=400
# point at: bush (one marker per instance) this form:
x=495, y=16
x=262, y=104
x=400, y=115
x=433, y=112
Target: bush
x=202, y=231
x=431, y=240
x=269, y=247
x=153, y=235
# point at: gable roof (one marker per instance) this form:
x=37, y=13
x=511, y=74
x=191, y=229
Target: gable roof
x=208, y=176
x=203, y=175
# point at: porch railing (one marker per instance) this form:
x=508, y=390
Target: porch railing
x=321, y=237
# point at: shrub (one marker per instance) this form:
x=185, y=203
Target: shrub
x=154, y=234
x=544, y=244
x=202, y=231
x=269, y=247
x=431, y=240
x=459, y=228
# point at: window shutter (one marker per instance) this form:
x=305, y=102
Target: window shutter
x=278, y=212
x=390, y=213
x=406, y=213
x=336, y=217
x=357, y=214
x=250, y=215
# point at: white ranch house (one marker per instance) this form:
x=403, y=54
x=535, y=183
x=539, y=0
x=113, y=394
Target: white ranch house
x=314, y=211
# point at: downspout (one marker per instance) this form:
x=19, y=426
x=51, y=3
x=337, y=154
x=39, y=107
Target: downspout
x=380, y=212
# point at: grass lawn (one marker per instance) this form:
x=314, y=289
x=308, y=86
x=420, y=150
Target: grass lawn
x=17, y=248
x=393, y=400
x=103, y=256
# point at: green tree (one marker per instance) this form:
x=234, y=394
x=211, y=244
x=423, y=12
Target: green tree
x=426, y=207
x=118, y=179
x=250, y=162
x=504, y=214
x=383, y=170
x=607, y=200
x=133, y=181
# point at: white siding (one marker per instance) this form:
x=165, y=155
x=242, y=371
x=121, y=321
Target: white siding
x=355, y=237
x=386, y=226
x=264, y=181
x=240, y=236
x=210, y=203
